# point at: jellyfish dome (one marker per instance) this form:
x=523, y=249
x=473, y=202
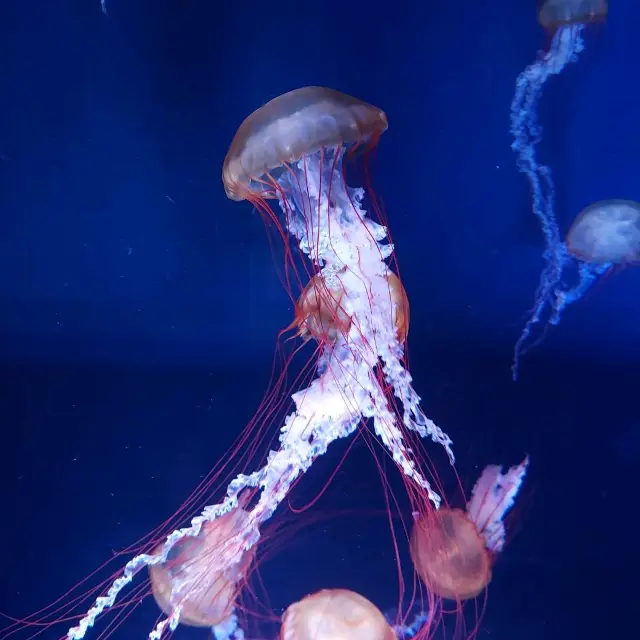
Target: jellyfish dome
x=566, y=21
x=449, y=554
x=333, y=614
x=556, y=13
x=290, y=127
x=453, y=550
x=606, y=232
x=190, y=578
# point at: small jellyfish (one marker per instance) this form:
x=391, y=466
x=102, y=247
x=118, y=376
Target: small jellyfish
x=606, y=232
x=273, y=140
x=604, y=235
x=335, y=614
x=565, y=20
x=193, y=576
x=449, y=555
x=452, y=550
x=320, y=312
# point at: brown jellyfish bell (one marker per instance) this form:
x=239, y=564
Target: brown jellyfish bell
x=190, y=577
x=452, y=550
x=335, y=614
x=557, y=13
x=320, y=311
x=450, y=555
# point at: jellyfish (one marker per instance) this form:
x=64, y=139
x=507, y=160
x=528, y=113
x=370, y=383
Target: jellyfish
x=335, y=613
x=190, y=579
x=606, y=233
x=565, y=20
x=330, y=614
x=556, y=13
x=320, y=314
x=290, y=160
x=453, y=551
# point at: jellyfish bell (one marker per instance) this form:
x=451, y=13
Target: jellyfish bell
x=333, y=614
x=606, y=232
x=453, y=550
x=290, y=127
x=557, y=13
x=289, y=159
x=190, y=577
x=321, y=311
x=294, y=150
x=450, y=555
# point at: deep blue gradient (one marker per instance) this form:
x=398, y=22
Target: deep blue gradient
x=139, y=307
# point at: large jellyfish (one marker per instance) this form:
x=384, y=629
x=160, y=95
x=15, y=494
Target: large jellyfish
x=565, y=20
x=293, y=151
x=350, y=305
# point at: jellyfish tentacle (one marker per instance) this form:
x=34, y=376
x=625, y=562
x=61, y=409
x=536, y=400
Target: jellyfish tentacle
x=567, y=43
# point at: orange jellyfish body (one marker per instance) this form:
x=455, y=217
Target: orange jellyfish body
x=606, y=232
x=289, y=127
x=558, y=13
x=320, y=313
x=335, y=614
x=450, y=555
x=206, y=594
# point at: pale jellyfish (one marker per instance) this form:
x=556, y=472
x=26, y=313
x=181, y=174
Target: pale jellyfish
x=565, y=20
x=335, y=614
x=190, y=579
x=557, y=13
x=606, y=232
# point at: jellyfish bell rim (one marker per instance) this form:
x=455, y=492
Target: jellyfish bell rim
x=366, y=123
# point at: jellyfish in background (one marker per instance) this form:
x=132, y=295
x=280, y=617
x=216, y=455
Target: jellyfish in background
x=335, y=613
x=606, y=233
x=452, y=550
x=565, y=20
